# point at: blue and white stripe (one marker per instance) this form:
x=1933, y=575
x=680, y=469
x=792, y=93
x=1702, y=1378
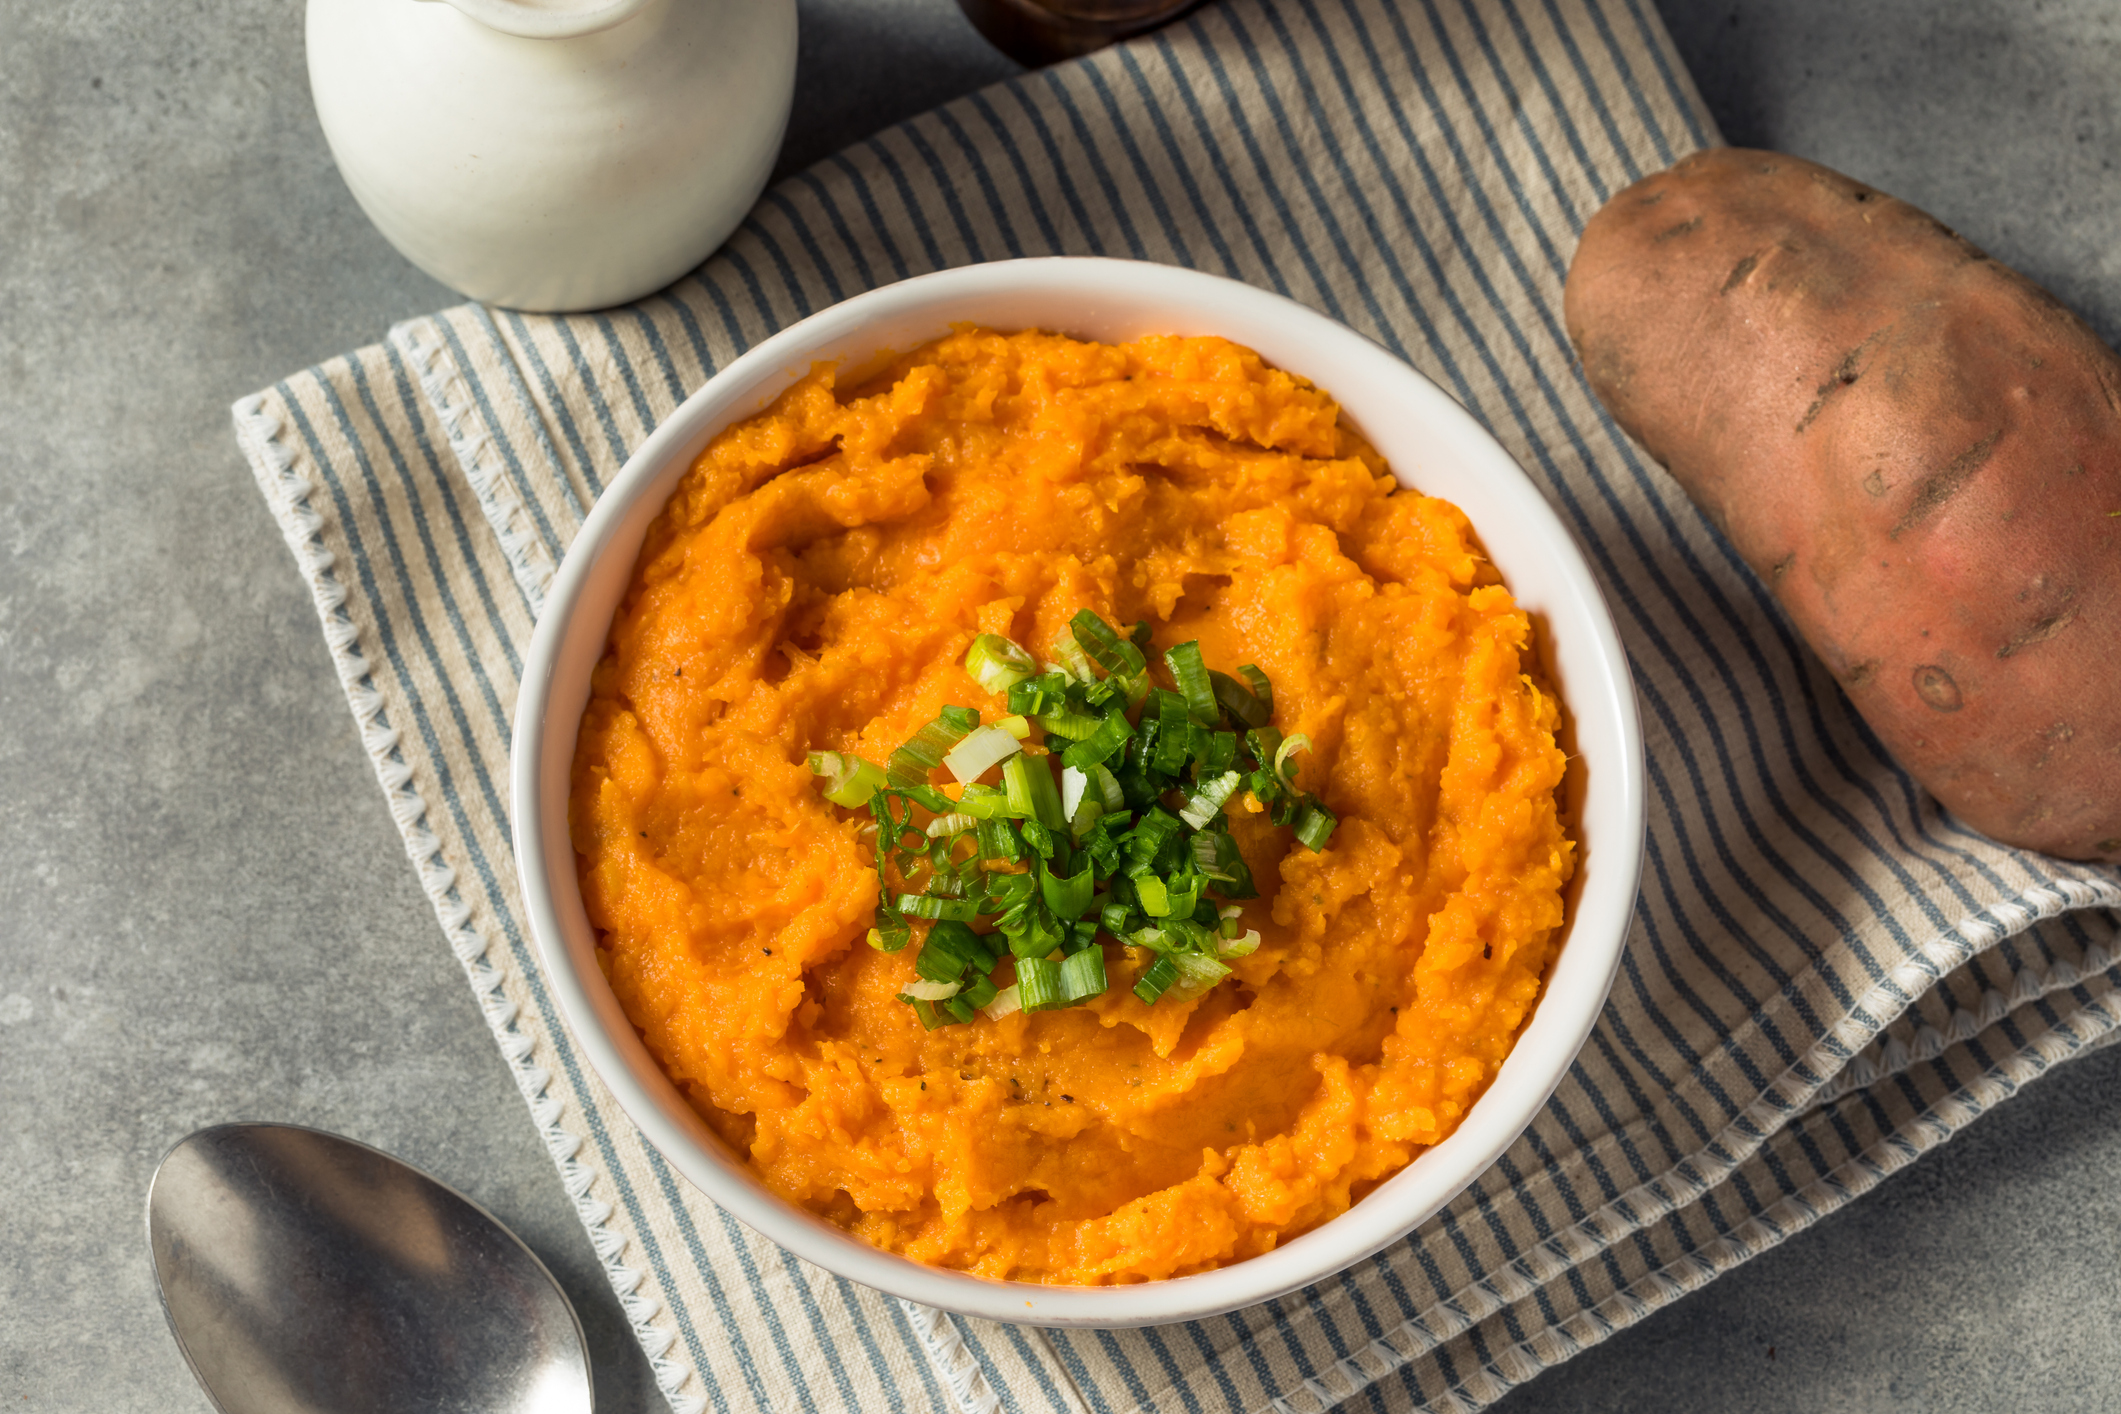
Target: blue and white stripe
x=1826, y=978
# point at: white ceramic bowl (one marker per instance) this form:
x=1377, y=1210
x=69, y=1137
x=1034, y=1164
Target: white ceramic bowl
x=1425, y=436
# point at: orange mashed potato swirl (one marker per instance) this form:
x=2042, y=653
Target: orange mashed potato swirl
x=814, y=584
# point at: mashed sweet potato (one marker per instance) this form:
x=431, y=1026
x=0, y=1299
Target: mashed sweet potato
x=814, y=584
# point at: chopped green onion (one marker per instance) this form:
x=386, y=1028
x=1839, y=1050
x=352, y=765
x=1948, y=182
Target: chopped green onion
x=1029, y=782
x=1299, y=742
x=1082, y=975
x=1085, y=819
x=1215, y=752
x=979, y=752
x=933, y=906
x=996, y=663
x=1149, y=837
x=1151, y=938
x=997, y=840
x=1106, y=856
x=1157, y=980
x=1109, y=793
x=1073, y=785
x=983, y=802
x=1263, y=742
x=1155, y=898
x=1017, y=783
x=1184, y=899
x=1196, y=975
x=1105, y=836
x=891, y=932
x=1314, y=826
x=1098, y=746
x=1191, y=934
x=1173, y=732
x=1112, y=653
x=1038, y=984
x=849, y=780
x=1087, y=808
x=1075, y=726
x=1209, y=798
x=1140, y=755
x=1014, y=888
x=1040, y=694
x=1039, y=838
x=911, y=763
x=1072, y=657
x=1068, y=898
x=950, y=948
x=1036, y=939
x=926, y=797
x=1240, y=701
x=1191, y=675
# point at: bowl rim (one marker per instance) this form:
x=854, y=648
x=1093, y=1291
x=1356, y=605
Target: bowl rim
x=1596, y=687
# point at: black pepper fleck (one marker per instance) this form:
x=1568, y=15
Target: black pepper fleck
x=1487, y=950
x=1069, y=1098
x=767, y=951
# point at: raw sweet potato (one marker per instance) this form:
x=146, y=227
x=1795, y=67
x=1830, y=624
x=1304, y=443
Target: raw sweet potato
x=1917, y=448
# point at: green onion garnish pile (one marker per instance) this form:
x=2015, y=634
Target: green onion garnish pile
x=1127, y=839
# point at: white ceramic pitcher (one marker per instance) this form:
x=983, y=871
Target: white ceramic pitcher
x=554, y=154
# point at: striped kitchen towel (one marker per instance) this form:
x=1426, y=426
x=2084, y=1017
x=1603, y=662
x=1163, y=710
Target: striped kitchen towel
x=1826, y=977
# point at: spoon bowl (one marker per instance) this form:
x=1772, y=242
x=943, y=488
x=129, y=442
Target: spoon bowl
x=305, y=1271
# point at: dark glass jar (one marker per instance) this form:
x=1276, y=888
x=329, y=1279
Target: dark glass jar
x=1039, y=32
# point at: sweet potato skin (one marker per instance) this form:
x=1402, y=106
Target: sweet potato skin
x=1916, y=448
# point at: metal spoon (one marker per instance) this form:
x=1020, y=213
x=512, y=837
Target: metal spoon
x=303, y=1272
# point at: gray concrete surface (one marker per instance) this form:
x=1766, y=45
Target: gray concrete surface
x=205, y=915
